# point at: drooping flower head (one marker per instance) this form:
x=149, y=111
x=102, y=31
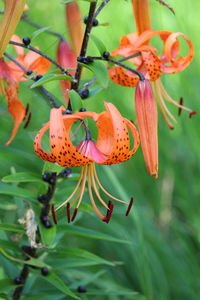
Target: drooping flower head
x=10, y=77
x=112, y=146
x=138, y=49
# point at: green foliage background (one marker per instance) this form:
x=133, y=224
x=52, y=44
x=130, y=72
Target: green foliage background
x=152, y=254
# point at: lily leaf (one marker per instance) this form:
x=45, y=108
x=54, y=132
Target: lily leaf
x=50, y=77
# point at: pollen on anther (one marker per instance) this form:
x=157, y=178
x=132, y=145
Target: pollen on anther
x=74, y=214
x=53, y=214
x=129, y=207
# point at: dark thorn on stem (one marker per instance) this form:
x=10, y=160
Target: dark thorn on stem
x=53, y=214
x=68, y=212
x=74, y=214
x=129, y=207
x=18, y=280
x=180, y=108
x=28, y=120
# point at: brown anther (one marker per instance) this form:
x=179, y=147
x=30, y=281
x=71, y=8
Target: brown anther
x=74, y=214
x=129, y=207
x=192, y=113
x=180, y=108
x=28, y=120
x=27, y=109
x=109, y=212
x=53, y=214
x=68, y=212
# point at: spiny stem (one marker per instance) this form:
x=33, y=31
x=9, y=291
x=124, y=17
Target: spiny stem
x=85, y=43
x=43, y=55
x=103, y=4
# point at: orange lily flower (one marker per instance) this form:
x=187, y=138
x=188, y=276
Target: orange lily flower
x=112, y=146
x=75, y=25
x=11, y=17
x=12, y=74
x=15, y=107
x=152, y=66
x=66, y=58
x=31, y=61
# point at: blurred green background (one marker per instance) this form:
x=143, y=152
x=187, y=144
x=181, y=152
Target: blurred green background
x=161, y=257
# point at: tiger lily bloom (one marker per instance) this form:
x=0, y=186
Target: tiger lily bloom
x=15, y=107
x=12, y=74
x=12, y=14
x=151, y=65
x=112, y=147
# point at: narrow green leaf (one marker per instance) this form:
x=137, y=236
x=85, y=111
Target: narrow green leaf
x=92, y=234
x=39, y=31
x=50, y=77
x=12, y=227
x=59, y=284
x=111, y=293
x=100, y=70
x=80, y=253
x=76, y=101
x=47, y=234
x=32, y=261
x=99, y=44
x=7, y=284
x=22, y=177
x=7, y=189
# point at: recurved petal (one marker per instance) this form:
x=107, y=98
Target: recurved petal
x=152, y=65
x=17, y=111
x=122, y=77
x=146, y=112
x=18, y=49
x=170, y=51
x=113, y=135
x=38, y=147
x=36, y=63
x=12, y=14
x=60, y=142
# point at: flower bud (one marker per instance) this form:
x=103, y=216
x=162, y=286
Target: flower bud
x=146, y=113
x=11, y=17
x=67, y=59
x=75, y=26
